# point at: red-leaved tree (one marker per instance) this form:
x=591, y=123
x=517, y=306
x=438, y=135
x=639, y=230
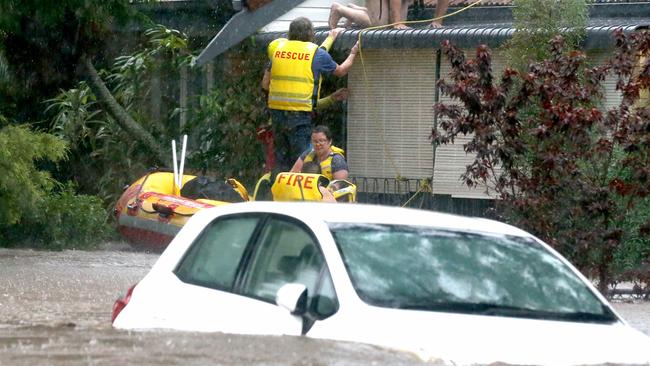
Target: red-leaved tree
x=561, y=166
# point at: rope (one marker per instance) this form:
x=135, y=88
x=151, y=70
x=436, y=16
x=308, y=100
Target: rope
x=425, y=186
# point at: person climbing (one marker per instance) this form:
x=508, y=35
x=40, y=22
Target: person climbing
x=293, y=82
x=381, y=12
x=330, y=158
x=265, y=132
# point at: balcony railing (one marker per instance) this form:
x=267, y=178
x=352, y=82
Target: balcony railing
x=416, y=193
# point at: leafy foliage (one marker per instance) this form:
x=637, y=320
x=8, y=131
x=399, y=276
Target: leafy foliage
x=226, y=120
x=77, y=117
x=43, y=43
x=66, y=220
x=576, y=176
x=74, y=221
x=537, y=21
x=165, y=51
x=37, y=211
x=23, y=187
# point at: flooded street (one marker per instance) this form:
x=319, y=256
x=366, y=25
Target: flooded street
x=55, y=309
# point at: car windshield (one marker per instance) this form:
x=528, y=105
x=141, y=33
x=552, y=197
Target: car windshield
x=422, y=268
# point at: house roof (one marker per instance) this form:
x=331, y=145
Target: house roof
x=488, y=23
x=493, y=35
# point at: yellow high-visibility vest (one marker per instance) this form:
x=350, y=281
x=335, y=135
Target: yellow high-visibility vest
x=292, y=79
x=325, y=165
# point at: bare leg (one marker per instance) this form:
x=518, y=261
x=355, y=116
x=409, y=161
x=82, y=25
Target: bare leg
x=357, y=7
x=441, y=10
x=378, y=11
x=353, y=15
x=398, y=12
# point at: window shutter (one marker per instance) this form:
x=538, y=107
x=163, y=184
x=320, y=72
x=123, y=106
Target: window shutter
x=390, y=113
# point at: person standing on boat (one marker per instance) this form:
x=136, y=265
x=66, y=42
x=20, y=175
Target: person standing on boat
x=293, y=82
x=330, y=158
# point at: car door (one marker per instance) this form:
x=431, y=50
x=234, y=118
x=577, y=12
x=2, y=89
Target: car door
x=287, y=251
x=231, y=273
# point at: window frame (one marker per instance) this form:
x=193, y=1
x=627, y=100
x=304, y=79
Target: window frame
x=242, y=261
x=244, y=266
x=240, y=280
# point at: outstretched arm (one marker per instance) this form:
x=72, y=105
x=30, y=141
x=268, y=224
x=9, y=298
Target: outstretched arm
x=344, y=67
x=338, y=96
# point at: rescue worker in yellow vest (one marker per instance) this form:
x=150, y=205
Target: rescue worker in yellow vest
x=332, y=163
x=293, y=81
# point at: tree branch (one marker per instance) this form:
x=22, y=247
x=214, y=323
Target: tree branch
x=122, y=118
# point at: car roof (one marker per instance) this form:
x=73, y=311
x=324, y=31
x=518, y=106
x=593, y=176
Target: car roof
x=375, y=214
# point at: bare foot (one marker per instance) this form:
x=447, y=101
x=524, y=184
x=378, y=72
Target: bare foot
x=334, y=15
x=435, y=24
x=401, y=26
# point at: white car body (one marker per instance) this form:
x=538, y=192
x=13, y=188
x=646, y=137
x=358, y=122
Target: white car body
x=162, y=301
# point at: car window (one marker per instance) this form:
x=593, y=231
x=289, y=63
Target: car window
x=286, y=253
x=214, y=257
x=423, y=268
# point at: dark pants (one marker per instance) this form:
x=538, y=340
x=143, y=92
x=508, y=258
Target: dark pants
x=292, y=133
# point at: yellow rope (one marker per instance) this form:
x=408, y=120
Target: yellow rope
x=365, y=75
x=425, y=186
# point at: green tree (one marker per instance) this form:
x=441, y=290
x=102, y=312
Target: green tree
x=78, y=117
x=537, y=21
x=37, y=210
x=47, y=44
x=226, y=120
x=23, y=187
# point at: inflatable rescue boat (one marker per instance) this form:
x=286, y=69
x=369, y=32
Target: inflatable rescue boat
x=153, y=209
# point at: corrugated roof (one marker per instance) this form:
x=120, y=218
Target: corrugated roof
x=598, y=36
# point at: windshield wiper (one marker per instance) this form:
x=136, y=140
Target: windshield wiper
x=482, y=308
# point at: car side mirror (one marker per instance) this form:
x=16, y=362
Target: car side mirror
x=293, y=297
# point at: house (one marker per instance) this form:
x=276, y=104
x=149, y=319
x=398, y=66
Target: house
x=393, y=89
x=389, y=112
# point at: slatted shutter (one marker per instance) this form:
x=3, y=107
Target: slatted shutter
x=611, y=97
x=390, y=113
x=390, y=117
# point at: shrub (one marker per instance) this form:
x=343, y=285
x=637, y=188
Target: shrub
x=72, y=221
x=23, y=187
x=66, y=220
x=572, y=174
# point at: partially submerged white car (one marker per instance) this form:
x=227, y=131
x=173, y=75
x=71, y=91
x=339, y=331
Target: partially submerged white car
x=462, y=290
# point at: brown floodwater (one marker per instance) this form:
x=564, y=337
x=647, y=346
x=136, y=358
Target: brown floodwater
x=55, y=309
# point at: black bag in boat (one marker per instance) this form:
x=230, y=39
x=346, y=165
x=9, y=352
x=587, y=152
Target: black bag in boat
x=210, y=188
